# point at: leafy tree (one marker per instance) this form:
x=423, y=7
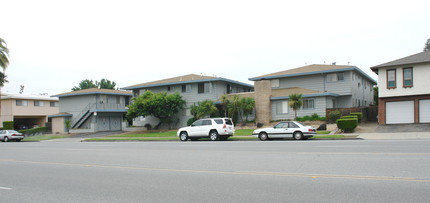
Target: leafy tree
x=106, y=84
x=159, y=105
x=248, y=105
x=68, y=125
x=85, y=84
x=203, y=109
x=234, y=108
x=295, y=102
x=224, y=104
x=4, y=55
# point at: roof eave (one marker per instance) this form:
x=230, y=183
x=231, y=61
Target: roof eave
x=186, y=82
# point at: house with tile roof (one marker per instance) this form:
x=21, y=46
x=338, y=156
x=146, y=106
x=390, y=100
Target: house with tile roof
x=193, y=88
x=91, y=110
x=322, y=87
x=404, y=93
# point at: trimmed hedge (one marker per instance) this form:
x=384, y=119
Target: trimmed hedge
x=33, y=131
x=347, y=124
x=350, y=116
x=313, y=117
x=358, y=114
x=8, y=125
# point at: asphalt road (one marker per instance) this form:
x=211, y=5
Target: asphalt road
x=274, y=171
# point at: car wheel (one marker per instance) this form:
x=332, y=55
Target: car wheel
x=183, y=136
x=213, y=135
x=298, y=136
x=263, y=136
x=6, y=139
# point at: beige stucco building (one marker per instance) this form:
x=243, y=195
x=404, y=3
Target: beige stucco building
x=27, y=111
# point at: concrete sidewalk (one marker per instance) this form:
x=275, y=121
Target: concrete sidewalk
x=393, y=136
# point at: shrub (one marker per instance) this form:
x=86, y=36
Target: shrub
x=313, y=117
x=333, y=116
x=191, y=121
x=33, y=131
x=358, y=114
x=8, y=125
x=347, y=125
x=346, y=117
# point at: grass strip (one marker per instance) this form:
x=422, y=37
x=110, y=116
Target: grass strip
x=43, y=137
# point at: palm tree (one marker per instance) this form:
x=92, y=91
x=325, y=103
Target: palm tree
x=248, y=105
x=295, y=102
x=224, y=104
x=4, y=62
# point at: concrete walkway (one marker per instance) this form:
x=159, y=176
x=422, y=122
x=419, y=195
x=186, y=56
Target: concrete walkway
x=395, y=136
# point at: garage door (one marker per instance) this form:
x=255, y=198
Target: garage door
x=424, y=111
x=109, y=123
x=399, y=112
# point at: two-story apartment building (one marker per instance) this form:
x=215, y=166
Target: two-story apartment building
x=404, y=89
x=321, y=86
x=93, y=110
x=193, y=88
x=27, y=111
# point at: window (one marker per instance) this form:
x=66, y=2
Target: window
x=229, y=89
x=293, y=125
x=391, y=78
x=333, y=77
x=197, y=123
x=308, y=103
x=170, y=88
x=186, y=88
x=407, y=77
x=282, y=107
x=218, y=121
x=207, y=122
x=53, y=104
x=21, y=102
x=203, y=87
x=274, y=83
x=39, y=103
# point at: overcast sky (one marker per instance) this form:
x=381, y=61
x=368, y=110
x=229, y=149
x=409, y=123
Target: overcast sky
x=56, y=44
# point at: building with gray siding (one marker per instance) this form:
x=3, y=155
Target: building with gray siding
x=193, y=88
x=322, y=87
x=92, y=110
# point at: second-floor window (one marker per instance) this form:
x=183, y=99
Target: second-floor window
x=274, y=83
x=53, y=104
x=407, y=77
x=39, y=103
x=186, y=88
x=391, y=78
x=333, y=77
x=21, y=102
x=203, y=88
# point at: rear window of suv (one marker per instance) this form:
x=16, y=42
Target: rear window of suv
x=218, y=121
x=228, y=122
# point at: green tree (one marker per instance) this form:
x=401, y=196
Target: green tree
x=203, y=109
x=295, y=102
x=85, y=84
x=248, y=105
x=4, y=61
x=234, y=108
x=224, y=104
x=106, y=84
x=427, y=46
x=159, y=105
x=68, y=125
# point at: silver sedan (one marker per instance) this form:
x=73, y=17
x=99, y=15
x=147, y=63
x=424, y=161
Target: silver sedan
x=7, y=135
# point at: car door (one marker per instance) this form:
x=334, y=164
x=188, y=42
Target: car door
x=195, y=128
x=290, y=129
x=279, y=130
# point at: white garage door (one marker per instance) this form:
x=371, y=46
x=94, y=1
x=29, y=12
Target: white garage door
x=399, y=112
x=425, y=111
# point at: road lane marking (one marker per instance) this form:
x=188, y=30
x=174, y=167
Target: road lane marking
x=5, y=188
x=254, y=173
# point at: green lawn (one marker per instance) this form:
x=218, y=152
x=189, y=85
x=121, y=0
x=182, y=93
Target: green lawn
x=150, y=134
x=323, y=132
x=42, y=137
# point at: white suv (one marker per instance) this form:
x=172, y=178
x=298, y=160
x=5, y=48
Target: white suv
x=214, y=128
